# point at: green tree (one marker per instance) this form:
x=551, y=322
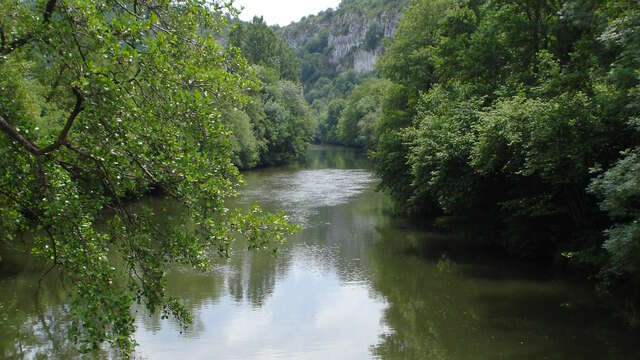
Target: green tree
x=440, y=145
x=409, y=62
x=261, y=46
x=504, y=112
x=282, y=117
x=318, y=43
x=244, y=144
x=373, y=37
x=101, y=102
x=328, y=129
x=619, y=188
x=361, y=114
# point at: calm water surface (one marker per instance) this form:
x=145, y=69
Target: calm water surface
x=354, y=284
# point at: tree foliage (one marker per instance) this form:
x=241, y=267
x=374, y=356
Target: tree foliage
x=280, y=123
x=101, y=102
x=362, y=111
x=261, y=46
x=521, y=115
x=286, y=122
x=619, y=188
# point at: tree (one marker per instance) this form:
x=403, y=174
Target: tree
x=327, y=130
x=361, y=114
x=619, y=188
x=244, y=144
x=101, y=102
x=261, y=46
x=373, y=37
x=409, y=63
x=504, y=112
x=288, y=119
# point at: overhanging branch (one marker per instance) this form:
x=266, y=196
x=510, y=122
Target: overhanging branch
x=7, y=48
x=48, y=10
x=62, y=137
x=15, y=135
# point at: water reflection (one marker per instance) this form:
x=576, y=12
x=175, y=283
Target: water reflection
x=354, y=284
x=304, y=193
x=313, y=300
x=33, y=318
x=463, y=306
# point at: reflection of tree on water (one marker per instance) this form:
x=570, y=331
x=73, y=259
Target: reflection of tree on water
x=251, y=276
x=341, y=236
x=34, y=320
x=335, y=157
x=462, y=308
x=245, y=276
x=412, y=305
x=195, y=290
x=336, y=240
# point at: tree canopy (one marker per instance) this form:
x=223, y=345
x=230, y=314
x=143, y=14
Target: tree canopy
x=519, y=116
x=277, y=124
x=102, y=102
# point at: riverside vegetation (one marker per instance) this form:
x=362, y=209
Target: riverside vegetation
x=103, y=102
x=521, y=117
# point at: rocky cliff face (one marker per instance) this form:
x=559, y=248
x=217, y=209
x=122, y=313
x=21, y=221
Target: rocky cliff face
x=353, y=33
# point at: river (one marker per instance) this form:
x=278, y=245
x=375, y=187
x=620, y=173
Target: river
x=355, y=283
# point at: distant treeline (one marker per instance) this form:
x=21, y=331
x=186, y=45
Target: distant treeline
x=276, y=125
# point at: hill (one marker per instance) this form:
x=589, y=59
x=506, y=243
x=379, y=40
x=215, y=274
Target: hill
x=349, y=37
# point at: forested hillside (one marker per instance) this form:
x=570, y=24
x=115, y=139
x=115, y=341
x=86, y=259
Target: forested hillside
x=521, y=117
x=338, y=50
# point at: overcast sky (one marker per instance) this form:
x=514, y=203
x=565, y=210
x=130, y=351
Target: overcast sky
x=282, y=12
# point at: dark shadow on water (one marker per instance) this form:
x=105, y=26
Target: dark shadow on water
x=474, y=258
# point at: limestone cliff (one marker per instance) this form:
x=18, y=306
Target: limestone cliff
x=350, y=36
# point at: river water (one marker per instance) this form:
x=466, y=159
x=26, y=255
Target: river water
x=355, y=283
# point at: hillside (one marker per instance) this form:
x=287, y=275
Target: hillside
x=338, y=50
x=351, y=36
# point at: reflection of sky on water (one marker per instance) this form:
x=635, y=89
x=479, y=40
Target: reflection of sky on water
x=311, y=314
x=302, y=193
x=305, y=308
x=353, y=284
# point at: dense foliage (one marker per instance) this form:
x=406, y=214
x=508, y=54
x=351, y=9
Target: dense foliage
x=327, y=98
x=521, y=116
x=362, y=110
x=104, y=101
x=261, y=46
x=277, y=124
x=328, y=45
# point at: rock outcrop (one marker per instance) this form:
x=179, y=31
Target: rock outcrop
x=353, y=33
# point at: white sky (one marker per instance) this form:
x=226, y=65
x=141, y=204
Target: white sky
x=282, y=12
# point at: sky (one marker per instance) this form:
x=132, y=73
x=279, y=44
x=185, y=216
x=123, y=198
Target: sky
x=282, y=12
